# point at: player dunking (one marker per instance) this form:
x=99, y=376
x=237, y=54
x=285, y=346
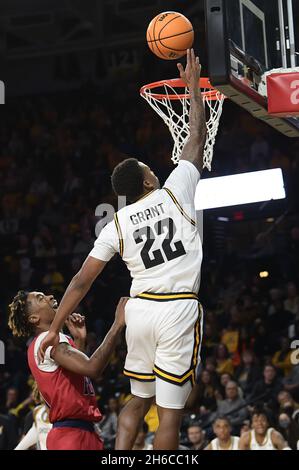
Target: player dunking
x=63, y=379
x=157, y=238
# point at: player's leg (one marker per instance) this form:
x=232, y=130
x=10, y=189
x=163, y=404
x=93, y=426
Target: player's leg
x=139, y=363
x=175, y=363
x=129, y=422
x=170, y=401
x=168, y=433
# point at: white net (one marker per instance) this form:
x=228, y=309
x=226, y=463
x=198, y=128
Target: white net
x=173, y=107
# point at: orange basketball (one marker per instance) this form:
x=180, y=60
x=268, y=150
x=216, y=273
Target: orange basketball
x=169, y=35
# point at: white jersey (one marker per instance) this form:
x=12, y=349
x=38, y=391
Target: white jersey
x=234, y=445
x=37, y=434
x=157, y=237
x=42, y=424
x=266, y=445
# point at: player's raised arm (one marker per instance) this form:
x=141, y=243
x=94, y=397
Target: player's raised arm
x=194, y=147
x=75, y=361
x=76, y=291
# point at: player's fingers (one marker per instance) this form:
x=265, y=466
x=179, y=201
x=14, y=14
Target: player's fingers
x=40, y=354
x=76, y=316
x=188, y=57
x=192, y=55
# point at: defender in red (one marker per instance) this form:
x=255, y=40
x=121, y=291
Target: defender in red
x=63, y=378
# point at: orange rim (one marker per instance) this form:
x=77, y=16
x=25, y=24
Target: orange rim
x=212, y=94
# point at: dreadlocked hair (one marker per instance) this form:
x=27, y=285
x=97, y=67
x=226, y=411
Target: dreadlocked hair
x=18, y=316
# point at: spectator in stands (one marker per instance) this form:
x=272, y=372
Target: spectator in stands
x=282, y=358
x=291, y=382
x=109, y=423
x=196, y=437
x=8, y=433
x=206, y=392
x=233, y=406
x=266, y=390
x=291, y=303
x=224, y=362
x=210, y=340
x=248, y=372
x=53, y=280
x=285, y=400
x=289, y=428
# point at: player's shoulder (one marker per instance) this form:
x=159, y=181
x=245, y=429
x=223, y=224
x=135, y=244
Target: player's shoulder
x=121, y=212
x=245, y=438
x=38, y=339
x=275, y=435
x=183, y=168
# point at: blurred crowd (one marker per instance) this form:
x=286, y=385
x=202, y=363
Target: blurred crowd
x=56, y=156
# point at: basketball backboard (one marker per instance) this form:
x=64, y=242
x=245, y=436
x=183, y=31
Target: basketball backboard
x=245, y=39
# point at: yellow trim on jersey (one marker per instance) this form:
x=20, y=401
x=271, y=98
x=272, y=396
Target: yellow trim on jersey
x=197, y=341
x=141, y=377
x=120, y=236
x=178, y=296
x=179, y=207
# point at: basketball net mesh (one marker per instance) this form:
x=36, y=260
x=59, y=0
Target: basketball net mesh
x=177, y=121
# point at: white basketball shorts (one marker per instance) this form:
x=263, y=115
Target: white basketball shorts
x=163, y=336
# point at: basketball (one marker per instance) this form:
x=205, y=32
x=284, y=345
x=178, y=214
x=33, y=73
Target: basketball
x=169, y=35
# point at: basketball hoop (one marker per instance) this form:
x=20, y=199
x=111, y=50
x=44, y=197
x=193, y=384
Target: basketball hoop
x=162, y=97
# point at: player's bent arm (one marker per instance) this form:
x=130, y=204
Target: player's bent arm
x=244, y=442
x=76, y=361
x=76, y=291
x=279, y=441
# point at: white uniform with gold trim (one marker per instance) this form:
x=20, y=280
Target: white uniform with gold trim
x=37, y=434
x=266, y=445
x=160, y=244
x=234, y=445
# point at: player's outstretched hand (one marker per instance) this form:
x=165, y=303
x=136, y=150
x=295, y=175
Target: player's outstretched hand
x=51, y=339
x=120, y=311
x=191, y=74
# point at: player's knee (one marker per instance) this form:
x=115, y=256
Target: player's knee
x=134, y=410
x=170, y=417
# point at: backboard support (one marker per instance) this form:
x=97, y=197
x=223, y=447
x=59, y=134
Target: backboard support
x=245, y=39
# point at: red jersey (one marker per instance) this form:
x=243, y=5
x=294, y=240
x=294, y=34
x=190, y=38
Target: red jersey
x=68, y=395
